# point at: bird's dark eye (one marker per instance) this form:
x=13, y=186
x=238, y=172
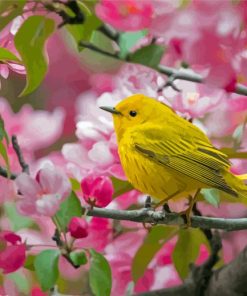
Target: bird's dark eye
x=132, y=113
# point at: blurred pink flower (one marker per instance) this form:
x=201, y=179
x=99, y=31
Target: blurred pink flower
x=97, y=191
x=63, y=87
x=126, y=15
x=43, y=195
x=78, y=227
x=7, y=190
x=12, y=252
x=186, y=37
x=101, y=82
x=36, y=291
x=234, y=109
x=29, y=123
x=4, y=71
x=121, y=274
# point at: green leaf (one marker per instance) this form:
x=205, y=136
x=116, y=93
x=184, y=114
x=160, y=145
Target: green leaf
x=212, y=196
x=30, y=42
x=6, y=56
x=46, y=268
x=16, y=220
x=187, y=249
x=84, y=31
x=29, y=262
x=69, y=208
x=99, y=275
x=78, y=258
x=75, y=184
x=4, y=154
x=120, y=187
x=3, y=133
x=153, y=242
x=128, y=39
x=9, y=10
x=238, y=135
x=149, y=55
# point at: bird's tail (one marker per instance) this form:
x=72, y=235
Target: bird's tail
x=237, y=182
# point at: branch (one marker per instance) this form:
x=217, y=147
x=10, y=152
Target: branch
x=23, y=164
x=4, y=173
x=230, y=280
x=159, y=217
x=109, y=32
x=168, y=71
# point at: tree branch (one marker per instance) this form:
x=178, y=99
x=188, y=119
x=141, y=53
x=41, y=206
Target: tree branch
x=230, y=280
x=180, y=74
x=159, y=217
x=23, y=164
x=4, y=173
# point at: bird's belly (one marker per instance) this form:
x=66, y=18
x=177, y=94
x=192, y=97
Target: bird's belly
x=152, y=178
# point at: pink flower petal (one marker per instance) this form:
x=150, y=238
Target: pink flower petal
x=54, y=181
x=27, y=186
x=12, y=258
x=48, y=204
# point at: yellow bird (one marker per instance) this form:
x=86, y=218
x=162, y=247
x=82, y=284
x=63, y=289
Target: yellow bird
x=165, y=155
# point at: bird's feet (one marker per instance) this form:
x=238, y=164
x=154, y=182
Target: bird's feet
x=156, y=216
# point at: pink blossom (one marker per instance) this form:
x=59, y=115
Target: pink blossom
x=12, y=254
x=42, y=195
x=97, y=191
x=194, y=100
x=100, y=234
x=36, y=291
x=213, y=43
x=125, y=15
x=7, y=41
x=78, y=227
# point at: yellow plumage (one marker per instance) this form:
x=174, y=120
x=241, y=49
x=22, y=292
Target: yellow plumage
x=166, y=156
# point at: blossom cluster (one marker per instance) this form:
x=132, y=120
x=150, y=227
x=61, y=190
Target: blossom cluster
x=71, y=147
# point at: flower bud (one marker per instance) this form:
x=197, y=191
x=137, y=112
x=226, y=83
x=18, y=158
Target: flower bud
x=78, y=227
x=12, y=252
x=97, y=191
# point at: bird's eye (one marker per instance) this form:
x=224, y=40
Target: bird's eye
x=132, y=113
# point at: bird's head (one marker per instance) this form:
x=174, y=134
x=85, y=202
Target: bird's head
x=136, y=110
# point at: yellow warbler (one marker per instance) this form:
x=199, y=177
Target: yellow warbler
x=166, y=156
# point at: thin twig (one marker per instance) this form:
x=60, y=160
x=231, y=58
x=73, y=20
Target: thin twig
x=99, y=50
x=4, y=173
x=23, y=164
x=170, y=82
x=159, y=217
x=109, y=32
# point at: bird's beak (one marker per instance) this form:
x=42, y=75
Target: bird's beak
x=110, y=109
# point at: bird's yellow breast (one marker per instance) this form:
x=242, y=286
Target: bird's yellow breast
x=152, y=178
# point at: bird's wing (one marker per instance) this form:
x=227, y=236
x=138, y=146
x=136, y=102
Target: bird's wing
x=194, y=157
